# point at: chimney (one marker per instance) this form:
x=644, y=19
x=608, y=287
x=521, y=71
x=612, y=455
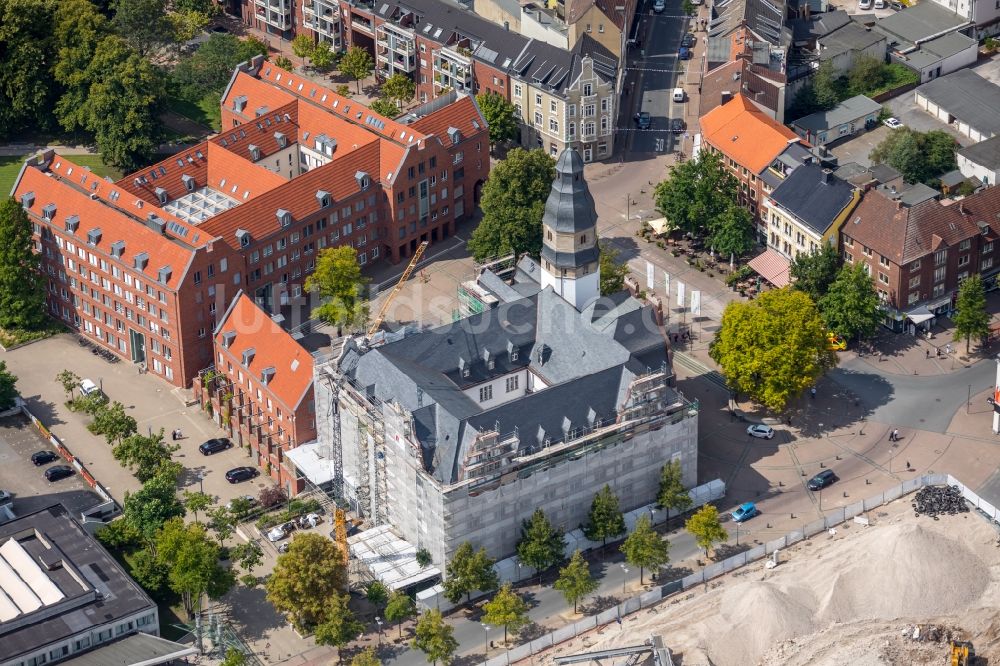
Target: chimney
x=961, y=207
x=899, y=204
x=825, y=173
x=727, y=95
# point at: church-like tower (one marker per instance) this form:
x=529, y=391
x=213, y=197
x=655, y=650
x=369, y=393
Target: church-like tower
x=570, y=258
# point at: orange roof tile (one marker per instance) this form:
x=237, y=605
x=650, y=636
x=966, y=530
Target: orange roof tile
x=239, y=178
x=273, y=348
x=258, y=95
x=167, y=174
x=260, y=132
x=114, y=224
x=461, y=115
x=314, y=121
x=746, y=134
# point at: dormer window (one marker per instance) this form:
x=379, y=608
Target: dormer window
x=267, y=374
x=189, y=183
x=94, y=236
x=243, y=236
x=28, y=199
x=227, y=338
x=284, y=217
x=254, y=152
x=454, y=134
x=323, y=199
x=118, y=249
x=363, y=180
x=248, y=355
x=49, y=211
x=240, y=103
x=141, y=260
x=164, y=274
x=161, y=195
x=72, y=223
x=280, y=139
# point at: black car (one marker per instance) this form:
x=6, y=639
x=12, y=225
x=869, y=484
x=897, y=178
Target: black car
x=43, y=457
x=898, y=6
x=214, y=446
x=822, y=480
x=688, y=40
x=237, y=474
x=677, y=125
x=643, y=120
x=59, y=472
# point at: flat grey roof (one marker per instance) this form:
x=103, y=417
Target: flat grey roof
x=967, y=96
x=985, y=153
x=848, y=110
x=95, y=590
x=936, y=50
x=135, y=649
x=920, y=22
x=850, y=37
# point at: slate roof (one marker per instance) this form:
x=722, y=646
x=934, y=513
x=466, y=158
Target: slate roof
x=967, y=96
x=850, y=109
x=814, y=196
x=926, y=19
x=584, y=357
x=985, y=153
x=850, y=37
x=818, y=25
x=570, y=206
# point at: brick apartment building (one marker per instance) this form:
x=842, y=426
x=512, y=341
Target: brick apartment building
x=260, y=389
x=566, y=97
x=144, y=265
x=918, y=255
x=759, y=151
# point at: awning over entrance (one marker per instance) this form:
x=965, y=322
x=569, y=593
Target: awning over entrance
x=920, y=315
x=772, y=267
x=659, y=226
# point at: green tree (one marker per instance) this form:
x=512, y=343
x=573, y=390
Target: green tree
x=112, y=422
x=772, y=348
x=146, y=510
x=356, y=65
x=605, y=519
x=119, y=534
x=469, y=570
x=185, y=25
x=384, y=107
x=400, y=607
x=513, y=202
x=322, y=57
x=8, y=389
x=343, y=90
x=672, y=495
x=645, y=548
x=144, y=454
x=367, y=657
x=148, y=571
x=247, y=556
x=919, y=156
x=303, y=46
x=222, y=521
x=234, y=658
x=22, y=292
x=123, y=104
x=377, y=594
x=867, y=74
x=196, y=501
x=696, y=193
x=500, y=116
x=613, y=273
x=541, y=545
x=706, y=528
x=338, y=281
x=398, y=89
x=575, y=581
x=826, y=84
x=305, y=577
x=209, y=69
x=815, y=271
x=424, y=557
x=971, y=318
x=69, y=380
x=851, y=307
x=193, y=559
x=506, y=609
x=143, y=23
x=339, y=626
x=206, y=7
x=283, y=62
x=240, y=507
x=435, y=638
x=27, y=92
x=732, y=234
x=79, y=28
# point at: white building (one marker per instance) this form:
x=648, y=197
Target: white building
x=981, y=161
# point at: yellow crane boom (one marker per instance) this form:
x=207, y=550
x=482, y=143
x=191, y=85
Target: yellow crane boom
x=380, y=317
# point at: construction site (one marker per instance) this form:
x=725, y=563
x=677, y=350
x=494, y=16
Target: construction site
x=904, y=589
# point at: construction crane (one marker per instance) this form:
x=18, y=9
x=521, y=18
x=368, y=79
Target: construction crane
x=380, y=317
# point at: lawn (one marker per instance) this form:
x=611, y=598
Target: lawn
x=206, y=112
x=11, y=166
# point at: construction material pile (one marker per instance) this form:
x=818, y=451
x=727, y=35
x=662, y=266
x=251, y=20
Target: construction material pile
x=937, y=501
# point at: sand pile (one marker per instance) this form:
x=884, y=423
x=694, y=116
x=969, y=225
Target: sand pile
x=847, y=595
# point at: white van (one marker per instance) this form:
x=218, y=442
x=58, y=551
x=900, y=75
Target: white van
x=865, y=4
x=678, y=94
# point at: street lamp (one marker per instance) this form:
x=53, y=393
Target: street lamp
x=486, y=648
x=378, y=621
x=624, y=576
x=519, y=565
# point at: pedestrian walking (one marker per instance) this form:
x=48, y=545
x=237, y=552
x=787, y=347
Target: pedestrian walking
x=812, y=393
x=927, y=353
x=895, y=435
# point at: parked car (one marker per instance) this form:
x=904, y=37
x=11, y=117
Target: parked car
x=87, y=387
x=643, y=120
x=745, y=512
x=238, y=474
x=898, y=6
x=279, y=532
x=283, y=547
x=864, y=4
x=214, y=446
x=688, y=40
x=761, y=431
x=249, y=499
x=677, y=125
x=879, y=4
x=659, y=6
x=822, y=480
x=59, y=472
x=685, y=53
x=892, y=123
x=40, y=458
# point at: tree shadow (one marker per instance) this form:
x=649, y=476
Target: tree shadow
x=598, y=604
x=190, y=475
x=44, y=410
x=727, y=550
x=531, y=631
x=672, y=573
x=252, y=612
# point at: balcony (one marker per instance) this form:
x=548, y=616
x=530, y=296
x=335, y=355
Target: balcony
x=362, y=23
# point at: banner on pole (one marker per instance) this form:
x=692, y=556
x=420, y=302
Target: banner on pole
x=696, y=303
x=680, y=294
x=650, y=275
x=667, y=286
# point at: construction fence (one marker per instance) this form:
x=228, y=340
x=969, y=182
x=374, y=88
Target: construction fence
x=832, y=519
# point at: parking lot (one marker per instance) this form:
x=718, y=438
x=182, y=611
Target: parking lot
x=26, y=482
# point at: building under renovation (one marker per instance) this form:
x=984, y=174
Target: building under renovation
x=458, y=433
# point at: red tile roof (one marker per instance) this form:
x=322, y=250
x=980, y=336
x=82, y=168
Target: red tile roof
x=167, y=174
x=273, y=348
x=114, y=224
x=746, y=134
x=239, y=178
x=461, y=115
x=260, y=132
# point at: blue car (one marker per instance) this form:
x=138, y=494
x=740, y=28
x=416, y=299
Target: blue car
x=685, y=53
x=745, y=512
